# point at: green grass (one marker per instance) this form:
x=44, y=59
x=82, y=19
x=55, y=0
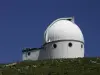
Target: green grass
x=79, y=66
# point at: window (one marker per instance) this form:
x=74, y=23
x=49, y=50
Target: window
x=70, y=44
x=81, y=46
x=54, y=46
x=29, y=53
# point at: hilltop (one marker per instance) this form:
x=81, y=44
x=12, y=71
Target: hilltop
x=79, y=66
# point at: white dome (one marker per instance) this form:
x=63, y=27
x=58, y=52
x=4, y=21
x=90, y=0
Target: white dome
x=63, y=29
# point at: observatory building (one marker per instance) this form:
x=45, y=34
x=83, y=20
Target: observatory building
x=62, y=39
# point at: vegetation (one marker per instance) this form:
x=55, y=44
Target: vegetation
x=79, y=66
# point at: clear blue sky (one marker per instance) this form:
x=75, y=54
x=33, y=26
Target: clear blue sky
x=23, y=22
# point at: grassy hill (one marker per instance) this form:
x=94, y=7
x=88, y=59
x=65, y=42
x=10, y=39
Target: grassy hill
x=79, y=66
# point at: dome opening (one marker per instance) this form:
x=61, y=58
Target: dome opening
x=69, y=19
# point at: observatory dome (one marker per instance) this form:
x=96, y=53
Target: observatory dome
x=63, y=29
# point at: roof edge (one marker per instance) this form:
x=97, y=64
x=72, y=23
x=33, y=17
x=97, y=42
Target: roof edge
x=30, y=49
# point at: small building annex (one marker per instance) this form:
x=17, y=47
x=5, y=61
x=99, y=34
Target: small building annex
x=62, y=39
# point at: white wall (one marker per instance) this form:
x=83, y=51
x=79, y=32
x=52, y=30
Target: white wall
x=76, y=51
x=63, y=50
x=33, y=55
x=43, y=54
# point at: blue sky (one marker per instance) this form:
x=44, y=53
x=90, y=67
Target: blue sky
x=23, y=22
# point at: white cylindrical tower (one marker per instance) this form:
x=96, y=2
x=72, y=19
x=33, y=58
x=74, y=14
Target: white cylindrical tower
x=63, y=39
